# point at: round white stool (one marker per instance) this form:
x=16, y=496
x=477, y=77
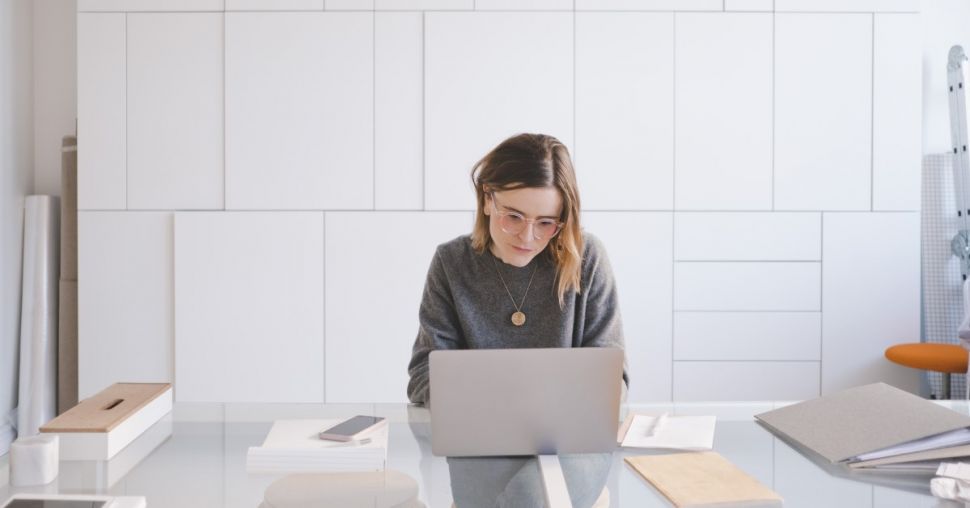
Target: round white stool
x=389, y=489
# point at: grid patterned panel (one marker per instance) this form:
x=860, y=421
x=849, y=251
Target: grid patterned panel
x=942, y=284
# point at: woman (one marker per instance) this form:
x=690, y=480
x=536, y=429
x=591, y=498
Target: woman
x=527, y=276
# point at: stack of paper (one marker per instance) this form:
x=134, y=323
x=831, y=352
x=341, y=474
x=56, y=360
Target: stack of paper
x=873, y=426
x=293, y=446
x=952, y=482
x=689, y=433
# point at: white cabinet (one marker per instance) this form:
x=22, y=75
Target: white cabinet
x=372, y=304
x=649, y=5
x=757, y=336
x=125, y=294
x=398, y=111
x=712, y=150
x=729, y=381
x=524, y=5
x=625, y=110
x=249, y=306
x=823, y=111
x=897, y=109
x=299, y=110
x=274, y=5
x=101, y=166
x=871, y=297
x=724, y=111
x=426, y=5
x=639, y=249
x=756, y=286
x=488, y=76
x=912, y=6
x=749, y=5
x=175, y=111
x=149, y=5
x=747, y=236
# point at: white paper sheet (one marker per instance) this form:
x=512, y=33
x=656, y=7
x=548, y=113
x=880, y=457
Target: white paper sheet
x=692, y=433
x=945, y=440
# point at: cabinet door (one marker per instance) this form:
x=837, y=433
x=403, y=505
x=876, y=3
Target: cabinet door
x=101, y=179
x=249, y=306
x=398, y=111
x=372, y=306
x=724, y=101
x=870, y=297
x=731, y=381
x=897, y=108
x=489, y=75
x=125, y=295
x=175, y=111
x=823, y=111
x=299, y=110
x=625, y=110
x=643, y=269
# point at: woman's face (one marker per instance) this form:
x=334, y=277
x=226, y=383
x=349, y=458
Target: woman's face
x=533, y=203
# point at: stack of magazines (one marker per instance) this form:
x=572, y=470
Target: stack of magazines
x=294, y=446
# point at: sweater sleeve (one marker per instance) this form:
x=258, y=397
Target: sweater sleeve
x=438, y=329
x=602, y=325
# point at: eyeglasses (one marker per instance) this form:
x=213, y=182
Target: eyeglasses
x=513, y=223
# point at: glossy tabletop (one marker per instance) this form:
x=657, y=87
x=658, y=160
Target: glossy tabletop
x=197, y=458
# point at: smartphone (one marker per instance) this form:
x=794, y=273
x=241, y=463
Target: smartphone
x=53, y=503
x=350, y=429
x=72, y=501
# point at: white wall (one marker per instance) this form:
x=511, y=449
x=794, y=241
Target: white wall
x=243, y=176
x=16, y=181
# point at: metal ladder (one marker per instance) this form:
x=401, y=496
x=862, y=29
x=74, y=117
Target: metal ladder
x=956, y=80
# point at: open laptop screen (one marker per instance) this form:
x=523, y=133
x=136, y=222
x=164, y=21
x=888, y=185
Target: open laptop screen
x=487, y=402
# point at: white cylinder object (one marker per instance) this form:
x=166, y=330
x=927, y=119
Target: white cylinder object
x=33, y=460
x=37, y=397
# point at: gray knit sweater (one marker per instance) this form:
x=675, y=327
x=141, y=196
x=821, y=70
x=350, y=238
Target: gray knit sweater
x=465, y=306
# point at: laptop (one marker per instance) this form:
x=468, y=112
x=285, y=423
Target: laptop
x=488, y=402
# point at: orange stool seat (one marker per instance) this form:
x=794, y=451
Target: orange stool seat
x=949, y=358
x=945, y=358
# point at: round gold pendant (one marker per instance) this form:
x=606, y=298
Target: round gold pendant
x=518, y=319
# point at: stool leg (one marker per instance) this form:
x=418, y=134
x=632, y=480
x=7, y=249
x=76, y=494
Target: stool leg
x=946, y=386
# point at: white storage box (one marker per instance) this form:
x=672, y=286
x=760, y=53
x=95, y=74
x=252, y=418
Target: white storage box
x=101, y=426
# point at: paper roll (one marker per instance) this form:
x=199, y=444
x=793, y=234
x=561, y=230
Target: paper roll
x=37, y=397
x=33, y=460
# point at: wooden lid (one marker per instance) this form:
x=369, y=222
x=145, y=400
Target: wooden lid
x=105, y=410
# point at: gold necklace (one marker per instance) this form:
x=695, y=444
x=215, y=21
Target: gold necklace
x=518, y=317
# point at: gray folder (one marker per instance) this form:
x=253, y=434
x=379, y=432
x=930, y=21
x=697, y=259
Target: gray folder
x=860, y=420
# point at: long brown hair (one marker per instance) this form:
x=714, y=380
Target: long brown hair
x=534, y=160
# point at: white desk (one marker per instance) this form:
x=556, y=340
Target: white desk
x=202, y=463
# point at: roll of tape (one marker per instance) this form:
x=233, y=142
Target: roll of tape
x=33, y=460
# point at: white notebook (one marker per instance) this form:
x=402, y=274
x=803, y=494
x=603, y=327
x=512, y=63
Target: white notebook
x=689, y=433
x=294, y=446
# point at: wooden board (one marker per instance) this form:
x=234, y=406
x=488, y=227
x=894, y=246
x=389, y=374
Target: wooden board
x=702, y=479
x=108, y=408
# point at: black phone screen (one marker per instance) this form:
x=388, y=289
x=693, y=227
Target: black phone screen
x=353, y=425
x=53, y=503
